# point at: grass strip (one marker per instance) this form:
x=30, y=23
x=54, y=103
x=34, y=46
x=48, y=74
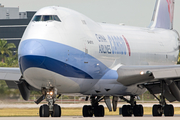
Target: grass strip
x=17, y=112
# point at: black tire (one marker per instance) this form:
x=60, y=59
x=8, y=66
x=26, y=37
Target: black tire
x=56, y=111
x=96, y=111
x=156, y=111
x=90, y=113
x=44, y=111
x=138, y=111
x=168, y=110
x=87, y=111
x=126, y=111
x=99, y=111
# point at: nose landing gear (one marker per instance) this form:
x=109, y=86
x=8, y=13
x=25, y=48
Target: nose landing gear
x=51, y=109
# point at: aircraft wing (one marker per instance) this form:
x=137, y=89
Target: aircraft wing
x=10, y=75
x=129, y=75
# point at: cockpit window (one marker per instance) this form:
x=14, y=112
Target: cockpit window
x=37, y=18
x=56, y=18
x=46, y=18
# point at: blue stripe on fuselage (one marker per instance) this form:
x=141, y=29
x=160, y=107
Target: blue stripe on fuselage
x=52, y=65
x=59, y=58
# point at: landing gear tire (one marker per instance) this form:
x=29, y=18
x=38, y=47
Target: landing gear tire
x=99, y=111
x=157, y=110
x=168, y=110
x=56, y=111
x=44, y=111
x=138, y=111
x=126, y=111
x=90, y=113
x=87, y=111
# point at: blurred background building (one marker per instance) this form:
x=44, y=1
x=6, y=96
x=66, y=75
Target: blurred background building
x=13, y=23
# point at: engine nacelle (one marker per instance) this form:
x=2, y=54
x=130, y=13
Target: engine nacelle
x=174, y=89
x=24, y=90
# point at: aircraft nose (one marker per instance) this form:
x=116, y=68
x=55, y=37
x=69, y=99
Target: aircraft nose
x=31, y=47
x=31, y=54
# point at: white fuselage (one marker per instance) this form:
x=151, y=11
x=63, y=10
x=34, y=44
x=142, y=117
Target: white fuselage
x=78, y=55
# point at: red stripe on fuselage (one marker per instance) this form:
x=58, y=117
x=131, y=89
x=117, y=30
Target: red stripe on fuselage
x=127, y=44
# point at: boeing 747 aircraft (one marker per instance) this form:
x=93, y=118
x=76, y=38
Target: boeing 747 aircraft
x=64, y=52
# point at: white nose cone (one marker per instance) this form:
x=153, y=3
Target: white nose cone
x=31, y=47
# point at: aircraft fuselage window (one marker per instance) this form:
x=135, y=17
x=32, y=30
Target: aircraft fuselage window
x=46, y=18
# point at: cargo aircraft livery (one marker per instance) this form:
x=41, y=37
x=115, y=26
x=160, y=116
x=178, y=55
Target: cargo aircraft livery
x=65, y=52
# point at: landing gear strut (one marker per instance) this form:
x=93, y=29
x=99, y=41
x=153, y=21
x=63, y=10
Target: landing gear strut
x=128, y=110
x=162, y=107
x=93, y=109
x=51, y=109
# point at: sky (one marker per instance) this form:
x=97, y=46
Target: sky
x=129, y=12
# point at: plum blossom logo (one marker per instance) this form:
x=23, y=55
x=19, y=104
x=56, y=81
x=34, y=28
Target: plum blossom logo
x=170, y=9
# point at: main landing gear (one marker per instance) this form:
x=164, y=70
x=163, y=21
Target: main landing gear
x=98, y=110
x=93, y=109
x=162, y=107
x=51, y=109
x=133, y=108
x=158, y=110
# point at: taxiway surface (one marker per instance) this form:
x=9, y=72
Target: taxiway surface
x=93, y=118
x=80, y=105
